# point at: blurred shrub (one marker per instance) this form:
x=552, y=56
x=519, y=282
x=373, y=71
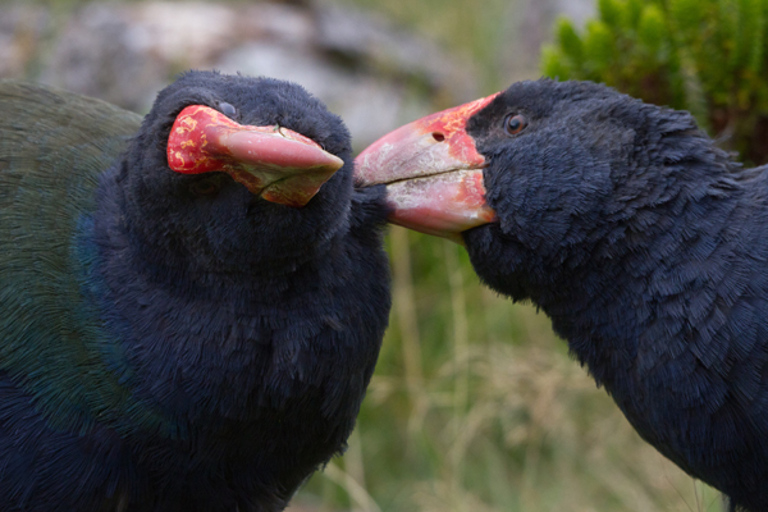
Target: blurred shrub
x=705, y=56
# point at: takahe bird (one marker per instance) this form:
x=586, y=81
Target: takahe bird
x=189, y=316
x=645, y=244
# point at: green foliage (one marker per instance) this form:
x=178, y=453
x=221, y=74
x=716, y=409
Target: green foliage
x=705, y=56
x=475, y=404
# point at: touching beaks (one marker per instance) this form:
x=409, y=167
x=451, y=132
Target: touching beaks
x=433, y=173
x=275, y=163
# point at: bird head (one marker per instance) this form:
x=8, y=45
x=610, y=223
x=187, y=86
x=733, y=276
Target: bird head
x=233, y=164
x=543, y=173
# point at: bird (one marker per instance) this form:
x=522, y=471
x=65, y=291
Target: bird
x=644, y=243
x=191, y=304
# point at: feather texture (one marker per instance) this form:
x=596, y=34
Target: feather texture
x=646, y=246
x=166, y=351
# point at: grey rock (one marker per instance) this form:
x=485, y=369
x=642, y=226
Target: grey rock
x=373, y=74
x=22, y=30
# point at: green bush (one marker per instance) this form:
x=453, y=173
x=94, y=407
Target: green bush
x=705, y=56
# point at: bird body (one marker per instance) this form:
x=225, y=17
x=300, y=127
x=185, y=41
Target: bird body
x=645, y=245
x=174, y=342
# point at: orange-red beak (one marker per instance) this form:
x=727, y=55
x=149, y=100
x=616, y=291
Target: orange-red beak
x=433, y=173
x=275, y=163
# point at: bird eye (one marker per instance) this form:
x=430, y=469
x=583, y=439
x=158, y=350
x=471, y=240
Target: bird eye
x=205, y=187
x=514, y=124
x=227, y=109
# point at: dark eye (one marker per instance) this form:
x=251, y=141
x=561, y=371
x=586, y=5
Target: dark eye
x=205, y=187
x=514, y=124
x=227, y=109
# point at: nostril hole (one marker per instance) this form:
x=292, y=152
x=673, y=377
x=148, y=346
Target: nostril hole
x=439, y=137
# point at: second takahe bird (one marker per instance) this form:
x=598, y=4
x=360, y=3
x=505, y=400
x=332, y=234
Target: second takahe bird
x=191, y=307
x=645, y=244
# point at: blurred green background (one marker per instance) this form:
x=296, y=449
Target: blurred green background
x=475, y=405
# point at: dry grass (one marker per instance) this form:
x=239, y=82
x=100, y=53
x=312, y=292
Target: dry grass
x=477, y=407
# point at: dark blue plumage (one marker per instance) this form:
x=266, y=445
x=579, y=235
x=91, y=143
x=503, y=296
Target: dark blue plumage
x=175, y=342
x=646, y=246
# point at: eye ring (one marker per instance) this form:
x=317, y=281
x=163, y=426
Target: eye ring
x=515, y=123
x=227, y=109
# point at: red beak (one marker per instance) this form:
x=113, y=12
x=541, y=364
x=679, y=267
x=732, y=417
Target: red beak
x=433, y=173
x=275, y=163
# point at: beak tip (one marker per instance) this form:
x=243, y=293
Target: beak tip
x=334, y=163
